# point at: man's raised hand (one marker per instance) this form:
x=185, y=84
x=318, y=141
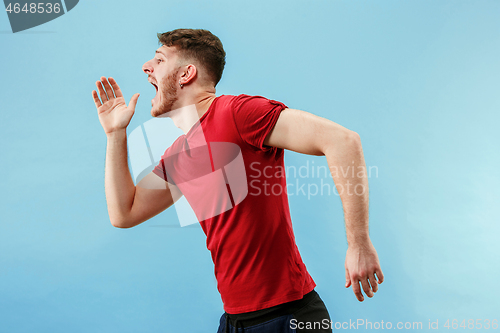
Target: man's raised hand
x=113, y=113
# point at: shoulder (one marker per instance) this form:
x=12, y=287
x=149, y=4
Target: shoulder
x=177, y=146
x=242, y=102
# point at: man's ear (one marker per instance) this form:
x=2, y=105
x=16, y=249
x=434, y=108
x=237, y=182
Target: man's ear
x=189, y=74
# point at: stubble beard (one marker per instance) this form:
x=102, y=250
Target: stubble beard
x=168, y=95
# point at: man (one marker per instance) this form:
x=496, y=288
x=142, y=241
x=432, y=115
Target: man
x=264, y=285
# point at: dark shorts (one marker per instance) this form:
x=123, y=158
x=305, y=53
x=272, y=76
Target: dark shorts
x=306, y=315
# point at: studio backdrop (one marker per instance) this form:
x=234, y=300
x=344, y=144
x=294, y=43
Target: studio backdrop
x=417, y=80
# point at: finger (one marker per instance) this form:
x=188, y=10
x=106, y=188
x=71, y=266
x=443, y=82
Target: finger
x=133, y=101
x=116, y=88
x=102, y=93
x=366, y=287
x=347, y=278
x=107, y=86
x=380, y=275
x=373, y=283
x=357, y=290
x=97, y=101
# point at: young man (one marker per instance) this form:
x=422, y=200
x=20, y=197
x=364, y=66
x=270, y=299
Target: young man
x=264, y=285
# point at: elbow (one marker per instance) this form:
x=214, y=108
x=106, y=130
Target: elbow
x=119, y=226
x=345, y=139
x=119, y=223
x=127, y=222
x=353, y=141
x=353, y=137
x=345, y=142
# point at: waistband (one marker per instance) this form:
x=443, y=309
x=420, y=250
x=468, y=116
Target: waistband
x=260, y=316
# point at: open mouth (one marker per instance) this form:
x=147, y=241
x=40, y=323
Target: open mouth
x=155, y=99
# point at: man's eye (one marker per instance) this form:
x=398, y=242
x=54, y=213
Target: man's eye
x=159, y=60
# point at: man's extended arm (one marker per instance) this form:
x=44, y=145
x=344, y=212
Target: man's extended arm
x=128, y=205
x=306, y=133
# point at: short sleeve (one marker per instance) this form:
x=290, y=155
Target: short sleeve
x=255, y=117
x=160, y=169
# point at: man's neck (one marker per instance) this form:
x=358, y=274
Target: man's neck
x=188, y=111
x=204, y=102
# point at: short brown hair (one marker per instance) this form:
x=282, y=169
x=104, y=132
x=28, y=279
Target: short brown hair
x=200, y=45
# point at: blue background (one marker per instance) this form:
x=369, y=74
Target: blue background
x=418, y=80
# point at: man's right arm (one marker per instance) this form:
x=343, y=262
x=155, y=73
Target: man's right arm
x=128, y=205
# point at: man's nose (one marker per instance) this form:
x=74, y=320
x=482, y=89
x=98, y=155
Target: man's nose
x=147, y=68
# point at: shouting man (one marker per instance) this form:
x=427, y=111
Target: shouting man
x=263, y=282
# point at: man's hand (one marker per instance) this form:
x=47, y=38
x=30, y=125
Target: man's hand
x=114, y=114
x=361, y=265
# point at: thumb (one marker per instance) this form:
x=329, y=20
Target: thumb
x=133, y=101
x=347, y=278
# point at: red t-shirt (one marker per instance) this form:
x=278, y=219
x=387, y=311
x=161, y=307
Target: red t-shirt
x=246, y=221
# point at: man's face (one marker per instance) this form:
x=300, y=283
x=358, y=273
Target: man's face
x=162, y=72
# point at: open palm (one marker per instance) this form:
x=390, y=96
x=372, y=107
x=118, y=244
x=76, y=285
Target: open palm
x=113, y=112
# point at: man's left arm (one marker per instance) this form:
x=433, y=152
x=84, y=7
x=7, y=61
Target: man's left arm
x=306, y=133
